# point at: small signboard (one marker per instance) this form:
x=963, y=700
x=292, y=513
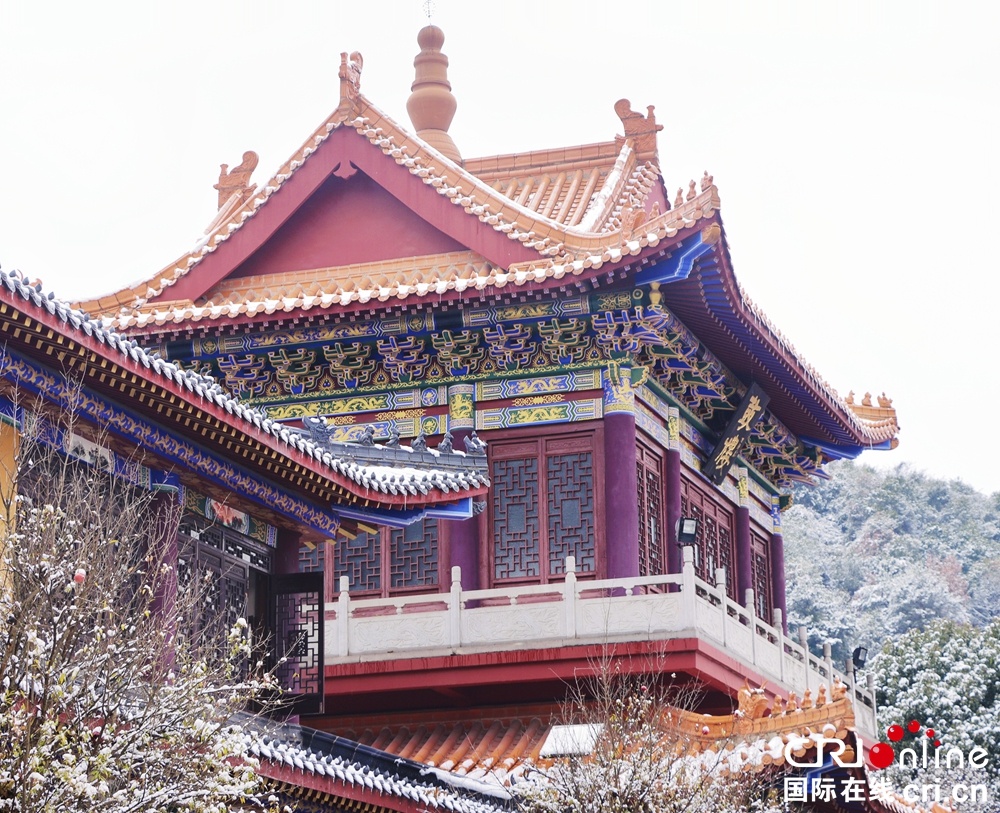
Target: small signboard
x=740, y=426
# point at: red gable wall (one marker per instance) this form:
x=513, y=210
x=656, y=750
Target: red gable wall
x=344, y=222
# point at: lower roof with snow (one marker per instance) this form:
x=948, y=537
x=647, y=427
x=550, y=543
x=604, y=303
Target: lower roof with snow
x=188, y=422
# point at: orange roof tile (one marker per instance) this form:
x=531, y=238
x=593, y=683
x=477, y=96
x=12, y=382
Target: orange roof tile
x=557, y=183
x=752, y=738
x=466, y=749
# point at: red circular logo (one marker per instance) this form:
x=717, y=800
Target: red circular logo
x=881, y=755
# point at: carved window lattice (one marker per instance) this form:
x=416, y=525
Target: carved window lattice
x=414, y=555
x=237, y=546
x=713, y=546
x=297, y=620
x=235, y=585
x=760, y=574
x=360, y=559
x=515, y=519
x=225, y=596
x=649, y=480
x=570, y=504
x=544, y=507
x=227, y=540
x=389, y=560
x=311, y=559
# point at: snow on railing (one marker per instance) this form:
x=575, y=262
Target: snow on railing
x=574, y=612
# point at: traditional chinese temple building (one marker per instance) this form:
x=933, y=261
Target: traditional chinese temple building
x=556, y=322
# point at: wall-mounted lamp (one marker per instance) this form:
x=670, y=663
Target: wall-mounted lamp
x=687, y=531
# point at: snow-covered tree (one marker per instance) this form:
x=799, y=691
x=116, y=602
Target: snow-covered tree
x=871, y=554
x=627, y=752
x=947, y=678
x=115, y=695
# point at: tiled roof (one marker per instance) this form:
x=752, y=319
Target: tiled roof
x=388, y=471
x=366, y=288
x=494, y=753
x=579, y=208
x=751, y=739
x=876, y=424
x=344, y=765
x=558, y=184
x=319, y=288
x=597, y=240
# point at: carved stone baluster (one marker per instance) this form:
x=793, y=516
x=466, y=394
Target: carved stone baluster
x=455, y=607
x=569, y=596
x=344, y=617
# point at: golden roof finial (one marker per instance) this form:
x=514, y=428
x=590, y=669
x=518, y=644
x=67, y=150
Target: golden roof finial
x=431, y=104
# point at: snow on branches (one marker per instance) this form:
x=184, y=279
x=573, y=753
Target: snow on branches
x=116, y=693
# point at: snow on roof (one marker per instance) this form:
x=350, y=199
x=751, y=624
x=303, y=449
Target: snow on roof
x=352, y=764
x=420, y=472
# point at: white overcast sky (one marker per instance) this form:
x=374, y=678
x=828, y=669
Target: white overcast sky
x=854, y=145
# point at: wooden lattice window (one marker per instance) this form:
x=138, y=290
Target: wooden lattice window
x=649, y=480
x=715, y=543
x=233, y=560
x=543, y=507
x=389, y=560
x=360, y=559
x=413, y=553
x=760, y=572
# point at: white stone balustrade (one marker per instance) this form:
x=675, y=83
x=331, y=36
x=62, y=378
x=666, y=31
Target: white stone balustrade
x=573, y=613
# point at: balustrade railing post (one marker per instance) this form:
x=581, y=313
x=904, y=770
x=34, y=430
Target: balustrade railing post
x=344, y=617
x=780, y=636
x=871, y=690
x=751, y=608
x=569, y=596
x=689, y=594
x=455, y=608
x=829, y=667
x=804, y=643
x=720, y=585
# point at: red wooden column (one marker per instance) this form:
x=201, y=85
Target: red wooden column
x=621, y=488
x=778, y=563
x=461, y=536
x=744, y=543
x=672, y=487
x=286, y=554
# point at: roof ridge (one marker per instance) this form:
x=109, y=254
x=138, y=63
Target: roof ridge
x=351, y=762
x=879, y=430
x=517, y=221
